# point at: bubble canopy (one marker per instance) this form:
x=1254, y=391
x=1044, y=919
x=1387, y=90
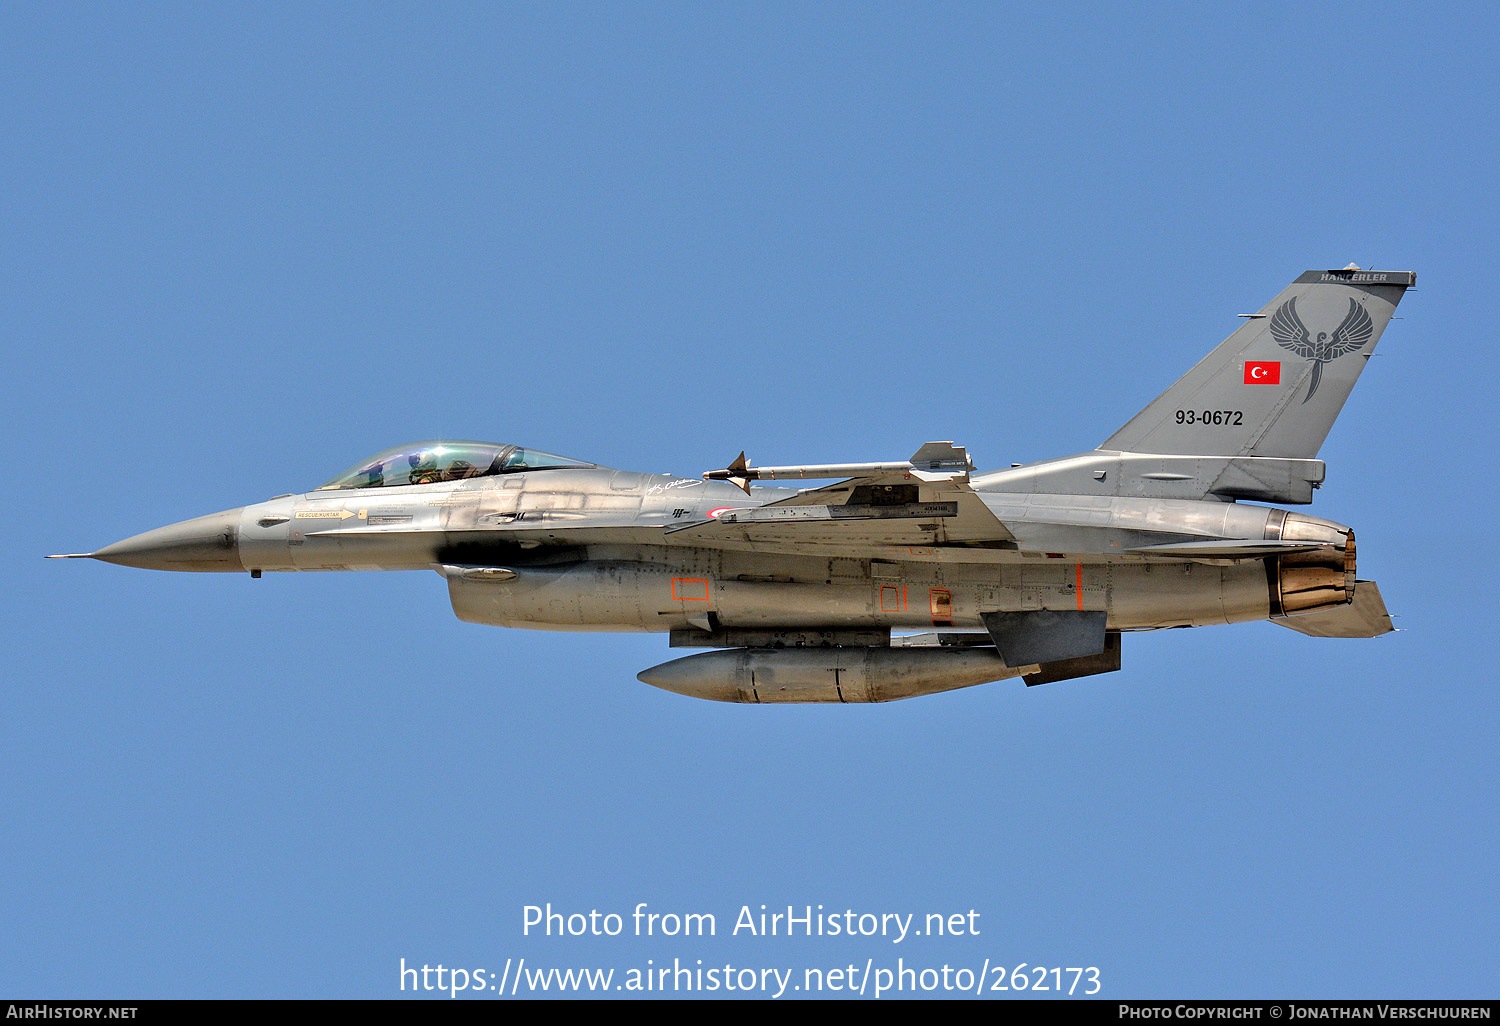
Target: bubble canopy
x=430, y=462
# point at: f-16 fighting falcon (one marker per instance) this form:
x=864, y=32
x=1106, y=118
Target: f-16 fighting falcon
x=900, y=579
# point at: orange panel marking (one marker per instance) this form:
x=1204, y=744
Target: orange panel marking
x=890, y=598
x=1078, y=587
x=684, y=589
x=940, y=604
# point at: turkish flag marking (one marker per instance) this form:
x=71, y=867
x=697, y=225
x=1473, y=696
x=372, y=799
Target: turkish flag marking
x=1262, y=372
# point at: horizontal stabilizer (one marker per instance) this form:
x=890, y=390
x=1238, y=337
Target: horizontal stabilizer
x=1365, y=617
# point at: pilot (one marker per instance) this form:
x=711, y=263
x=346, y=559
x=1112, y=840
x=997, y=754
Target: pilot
x=424, y=469
x=460, y=469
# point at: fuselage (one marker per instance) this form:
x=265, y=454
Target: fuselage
x=595, y=549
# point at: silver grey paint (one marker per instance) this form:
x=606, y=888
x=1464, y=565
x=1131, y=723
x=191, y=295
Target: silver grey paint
x=800, y=589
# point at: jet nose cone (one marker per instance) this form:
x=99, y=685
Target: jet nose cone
x=203, y=543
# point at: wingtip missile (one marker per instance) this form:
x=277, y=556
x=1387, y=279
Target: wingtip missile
x=939, y=461
x=737, y=473
x=942, y=456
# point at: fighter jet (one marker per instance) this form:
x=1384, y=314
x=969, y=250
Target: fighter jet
x=900, y=578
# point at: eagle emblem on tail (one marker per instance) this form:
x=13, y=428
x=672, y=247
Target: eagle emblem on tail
x=1349, y=337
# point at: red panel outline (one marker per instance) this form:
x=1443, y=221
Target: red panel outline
x=690, y=580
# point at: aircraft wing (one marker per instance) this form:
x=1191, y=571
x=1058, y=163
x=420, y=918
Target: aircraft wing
x=885, y=506
x=961, y=515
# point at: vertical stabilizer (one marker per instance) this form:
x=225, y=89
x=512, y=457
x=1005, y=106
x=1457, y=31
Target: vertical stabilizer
x=1275, y=386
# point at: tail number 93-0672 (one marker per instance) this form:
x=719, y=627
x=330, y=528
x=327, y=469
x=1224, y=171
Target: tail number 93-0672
x=1232, y=418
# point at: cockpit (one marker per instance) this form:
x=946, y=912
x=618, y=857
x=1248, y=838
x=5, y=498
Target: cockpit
x=430, y=462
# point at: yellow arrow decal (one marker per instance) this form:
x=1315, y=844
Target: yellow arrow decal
x=325, y=514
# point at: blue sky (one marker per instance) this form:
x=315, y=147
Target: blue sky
x=245, y=246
